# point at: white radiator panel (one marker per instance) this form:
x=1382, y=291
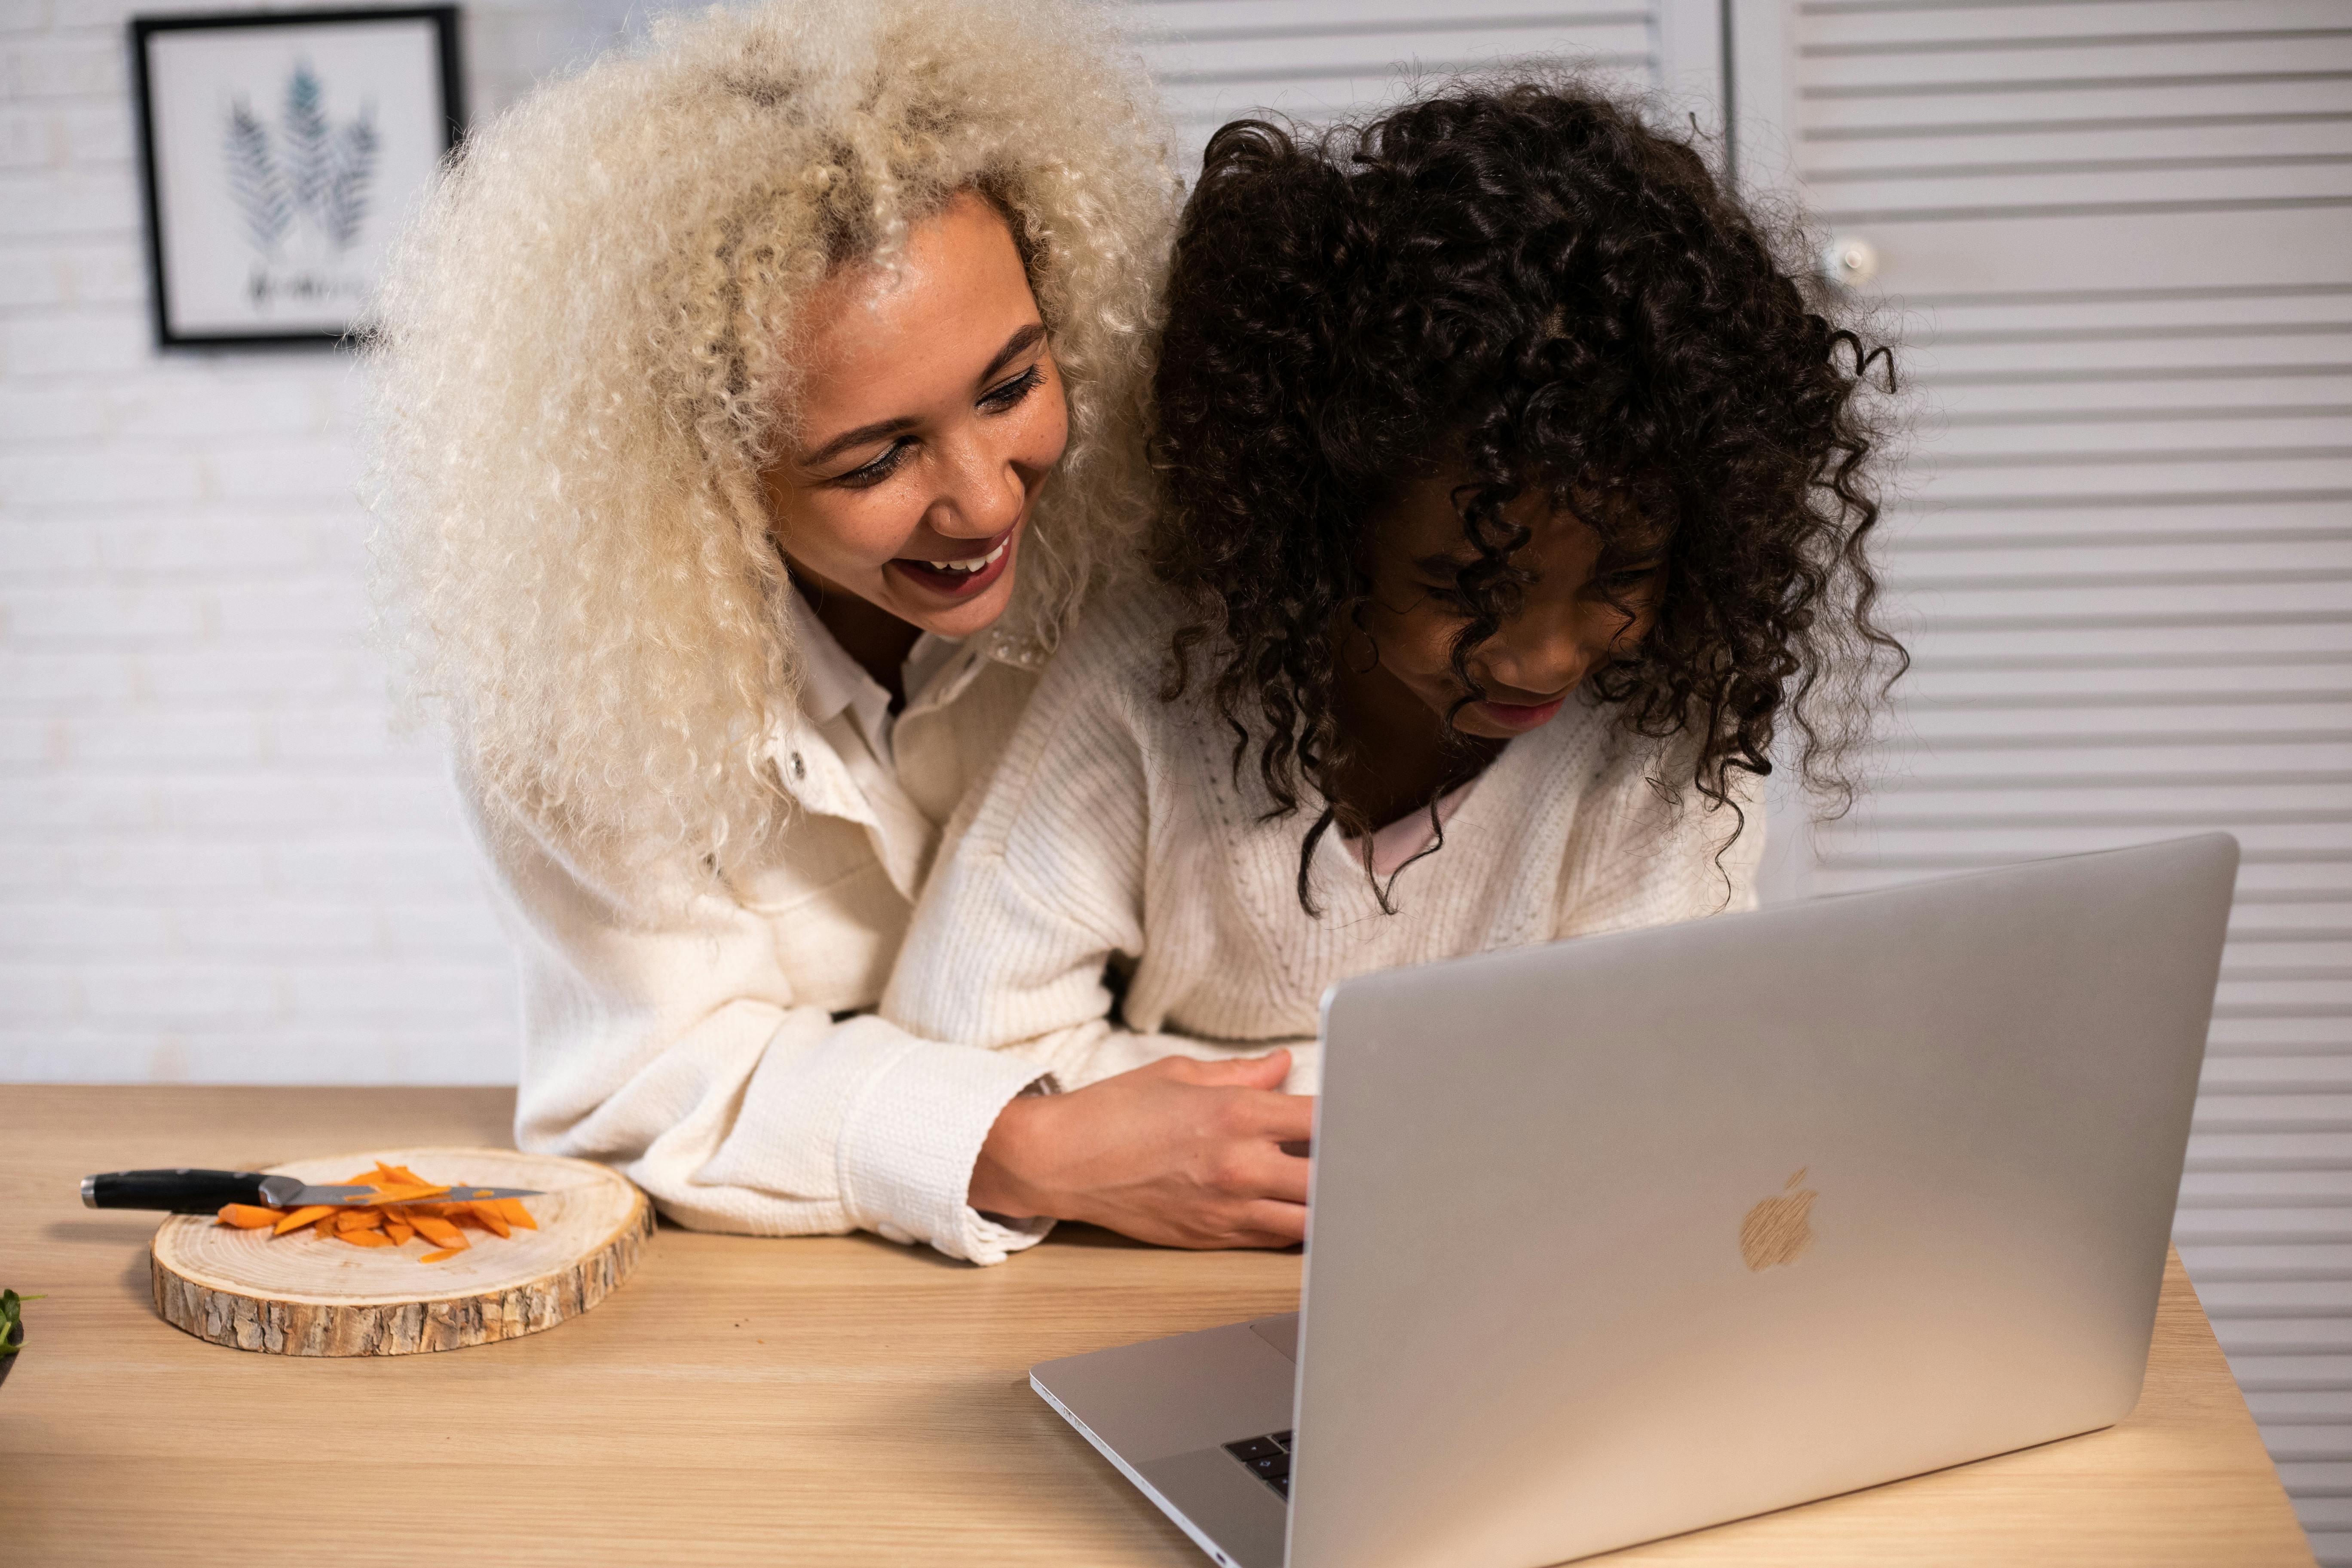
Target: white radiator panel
x=1217, y=60
x=2116, y=242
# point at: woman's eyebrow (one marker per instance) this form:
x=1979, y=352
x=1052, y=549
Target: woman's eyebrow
x=1019, y=343
x=842, y=443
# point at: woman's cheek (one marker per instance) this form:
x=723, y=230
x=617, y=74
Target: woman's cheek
x=1045, y=430
x=848, y=533
x=1421, y=649
x=1629, y=639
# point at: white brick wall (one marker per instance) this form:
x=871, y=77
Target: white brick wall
x=216, y=862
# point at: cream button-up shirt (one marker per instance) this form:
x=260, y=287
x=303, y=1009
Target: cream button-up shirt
x=724, y=1056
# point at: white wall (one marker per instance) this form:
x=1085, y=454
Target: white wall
x=215, y=864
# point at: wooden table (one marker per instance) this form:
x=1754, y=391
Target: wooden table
x=830, y=1400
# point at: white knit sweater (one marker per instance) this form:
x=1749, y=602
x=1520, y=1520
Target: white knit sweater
x=721, y=1058
x=719, y=1054
x=1114, y=832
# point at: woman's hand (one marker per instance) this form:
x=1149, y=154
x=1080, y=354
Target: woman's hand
x=1180, y=1152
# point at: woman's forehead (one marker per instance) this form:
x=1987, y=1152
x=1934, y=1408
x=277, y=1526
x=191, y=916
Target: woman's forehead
x=870, y=335
x=1426, y=518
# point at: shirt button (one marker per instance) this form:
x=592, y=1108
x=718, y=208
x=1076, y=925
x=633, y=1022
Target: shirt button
x=800, y=768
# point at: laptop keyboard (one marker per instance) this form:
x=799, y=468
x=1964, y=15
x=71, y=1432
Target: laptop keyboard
x=1267, y=1458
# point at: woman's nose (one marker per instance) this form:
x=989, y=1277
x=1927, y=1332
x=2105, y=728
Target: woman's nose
x=1539, y=652
x=982, y=493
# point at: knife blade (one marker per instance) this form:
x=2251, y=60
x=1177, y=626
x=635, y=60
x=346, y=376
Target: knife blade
x=203, y=1192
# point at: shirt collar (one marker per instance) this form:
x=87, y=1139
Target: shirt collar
x=832, y=683
x=830, y=679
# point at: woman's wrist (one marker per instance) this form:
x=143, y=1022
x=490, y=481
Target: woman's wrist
x=1001, y=1175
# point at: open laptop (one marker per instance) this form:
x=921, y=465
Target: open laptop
x=1625, y=1235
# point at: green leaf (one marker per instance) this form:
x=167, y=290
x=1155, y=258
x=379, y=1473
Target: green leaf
x=12, y=1327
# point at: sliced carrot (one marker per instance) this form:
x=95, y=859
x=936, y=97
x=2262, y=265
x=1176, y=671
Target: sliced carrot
x=439, y=1230
x=405, y=1207
x=407, y=1193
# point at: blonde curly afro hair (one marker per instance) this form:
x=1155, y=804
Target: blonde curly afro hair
x=581, y=361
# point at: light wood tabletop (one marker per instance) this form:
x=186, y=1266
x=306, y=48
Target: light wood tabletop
x=823, y=1400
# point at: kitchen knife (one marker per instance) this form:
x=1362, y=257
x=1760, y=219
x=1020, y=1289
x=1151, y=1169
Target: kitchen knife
x=203, y=1192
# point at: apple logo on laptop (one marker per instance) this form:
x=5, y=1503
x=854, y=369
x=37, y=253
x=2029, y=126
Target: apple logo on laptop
x=1779, y=1229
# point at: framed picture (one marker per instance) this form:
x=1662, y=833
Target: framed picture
x=284, y=149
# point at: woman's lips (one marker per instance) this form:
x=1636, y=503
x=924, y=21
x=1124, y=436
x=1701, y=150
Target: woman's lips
x=950, y=580
x=1521, y=715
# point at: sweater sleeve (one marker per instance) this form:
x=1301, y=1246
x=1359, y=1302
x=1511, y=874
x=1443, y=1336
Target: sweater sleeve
x=1041, y=883
x=676, y=1051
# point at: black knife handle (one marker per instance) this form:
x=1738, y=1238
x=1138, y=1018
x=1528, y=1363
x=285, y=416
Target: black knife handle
x=181, y=1191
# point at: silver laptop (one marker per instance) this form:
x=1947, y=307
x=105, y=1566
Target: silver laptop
x=1630, y=1235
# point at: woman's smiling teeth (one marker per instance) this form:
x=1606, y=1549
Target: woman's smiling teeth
x=965, y=579
x=981, y=565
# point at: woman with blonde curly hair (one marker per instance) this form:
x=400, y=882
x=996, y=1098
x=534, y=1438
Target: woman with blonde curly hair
x=754, y=409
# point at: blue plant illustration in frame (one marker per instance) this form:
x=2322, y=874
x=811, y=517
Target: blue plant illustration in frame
x=283, y=150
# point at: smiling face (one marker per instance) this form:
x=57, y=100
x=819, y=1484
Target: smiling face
x=1572, y=619
x=929, y=414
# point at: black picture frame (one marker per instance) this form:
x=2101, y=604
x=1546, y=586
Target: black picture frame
x=172, y=331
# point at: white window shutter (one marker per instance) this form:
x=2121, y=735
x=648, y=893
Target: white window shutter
x=2115, y=240
x=1314, y=61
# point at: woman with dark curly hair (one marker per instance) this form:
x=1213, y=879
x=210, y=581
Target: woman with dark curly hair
x=1516, y=506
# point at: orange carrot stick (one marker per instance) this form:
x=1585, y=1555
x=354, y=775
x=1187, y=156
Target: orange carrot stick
x=406, y=1206
x=411, y=1192
x=439, y=1230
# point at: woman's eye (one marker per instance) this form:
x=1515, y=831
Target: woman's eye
x=1004, y=395
x=880, y=468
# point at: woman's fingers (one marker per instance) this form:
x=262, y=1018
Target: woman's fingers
x=1283, y=1118
x=1181, y=1151
x=1279, y=1223
x=1268, y=1071
x=1261, y=1170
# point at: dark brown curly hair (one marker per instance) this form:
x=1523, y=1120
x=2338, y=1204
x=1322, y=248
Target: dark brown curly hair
x=1524, y=279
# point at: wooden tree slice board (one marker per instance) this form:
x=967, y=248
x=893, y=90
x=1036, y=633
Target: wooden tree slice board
x=302, y=1294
